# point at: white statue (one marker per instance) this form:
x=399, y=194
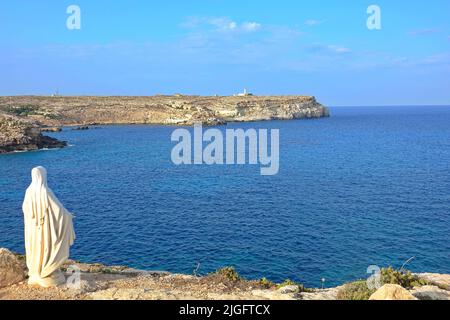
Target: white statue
x=49, y=232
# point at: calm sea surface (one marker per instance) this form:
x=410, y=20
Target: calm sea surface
x=368, y=186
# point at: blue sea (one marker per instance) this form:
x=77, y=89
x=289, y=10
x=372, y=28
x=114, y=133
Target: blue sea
x=367, y=186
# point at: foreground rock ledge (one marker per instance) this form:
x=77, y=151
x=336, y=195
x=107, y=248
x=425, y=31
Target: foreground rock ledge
x=12, y=269
x=99, y=282
x=392, y=292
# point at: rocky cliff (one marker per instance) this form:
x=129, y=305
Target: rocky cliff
x=18, y=134
x=167, y=110
x=22, y=116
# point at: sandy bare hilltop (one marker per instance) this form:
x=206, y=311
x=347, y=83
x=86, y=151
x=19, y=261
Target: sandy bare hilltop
x=20, y=114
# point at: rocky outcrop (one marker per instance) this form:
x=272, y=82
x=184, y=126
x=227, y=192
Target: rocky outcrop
x=440, y=280
x=12, y=269
x=392, y=292
x=430, y=293
x=167, y=110
x=322, y=294
x=100, y=282
x=17, y=134
x=51, y=129
x=21, y=116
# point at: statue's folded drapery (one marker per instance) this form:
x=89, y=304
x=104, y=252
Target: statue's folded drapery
x=49, y=229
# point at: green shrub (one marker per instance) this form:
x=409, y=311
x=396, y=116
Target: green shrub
x=265, y=283
x=52, y=116
x=289, y=282
x=229, y=273
x=405, y=279
x=357, y=290
x=22, y=111
x=21, y=257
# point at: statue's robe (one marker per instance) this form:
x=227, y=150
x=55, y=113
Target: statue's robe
x=49, y=232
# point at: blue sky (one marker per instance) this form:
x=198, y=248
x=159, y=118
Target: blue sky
x=321, y=48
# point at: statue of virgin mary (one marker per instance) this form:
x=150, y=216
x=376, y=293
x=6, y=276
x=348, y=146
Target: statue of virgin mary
x=49, y=232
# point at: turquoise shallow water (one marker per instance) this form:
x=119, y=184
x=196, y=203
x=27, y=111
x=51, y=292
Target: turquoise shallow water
x=368, y=186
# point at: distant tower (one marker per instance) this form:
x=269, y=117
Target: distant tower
x=244, y=94
x=56, y=94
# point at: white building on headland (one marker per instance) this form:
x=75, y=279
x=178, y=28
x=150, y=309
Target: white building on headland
x=56, y=94
x=244, y=94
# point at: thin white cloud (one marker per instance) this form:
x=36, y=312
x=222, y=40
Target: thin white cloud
x=222, y=24
x=339, y=49
x=314, y=22
x=328, y=49
x=424, y=32
x=251, y=26
x=440, y=58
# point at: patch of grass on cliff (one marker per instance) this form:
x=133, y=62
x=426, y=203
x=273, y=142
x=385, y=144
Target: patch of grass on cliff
x=289, y=282
x=266, y=283
x=357, y=290
x=52, y=116
x=403, y=278
x=229, y=273
x=19, y=256
x=22, y=111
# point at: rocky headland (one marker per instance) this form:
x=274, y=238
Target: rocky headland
x=18, y=134
x=99, y=282
x=22, y=116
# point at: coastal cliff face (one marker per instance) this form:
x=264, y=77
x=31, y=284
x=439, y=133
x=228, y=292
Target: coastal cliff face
x=18, y=134
x=167, y=110
x=23, y=118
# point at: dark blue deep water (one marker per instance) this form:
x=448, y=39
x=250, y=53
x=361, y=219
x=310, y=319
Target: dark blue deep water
x=368, y=186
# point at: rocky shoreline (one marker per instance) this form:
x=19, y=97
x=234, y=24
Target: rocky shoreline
x=99, y=282
x=17, y=134
x=22, y=116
